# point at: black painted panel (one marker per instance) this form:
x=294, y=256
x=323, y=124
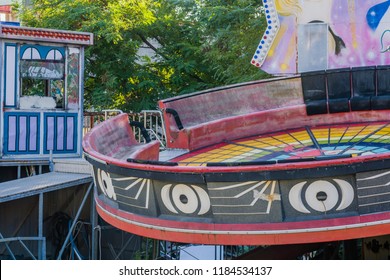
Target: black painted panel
x=246, y=202
x=380, y=102
x=317, y=107
x=314, y=86
x=360, y=103
x=131, y=194
x=339, y=83
x=339, y=105
x=320, y=198
x=363, y=81
x=373, y=191
x=383, y=80
x=182, y=200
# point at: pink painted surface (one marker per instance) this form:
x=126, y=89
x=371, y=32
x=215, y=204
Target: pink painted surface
x=113, y=140
x=361, y=27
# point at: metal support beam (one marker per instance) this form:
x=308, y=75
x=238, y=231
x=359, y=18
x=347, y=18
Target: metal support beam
x=41, y=245
x=2, y=239
x=75, y=221
x=124, y=247
x=20, y=241
x=94, y=222
x=28, y=250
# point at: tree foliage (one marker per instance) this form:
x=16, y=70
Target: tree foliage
x=197, y=44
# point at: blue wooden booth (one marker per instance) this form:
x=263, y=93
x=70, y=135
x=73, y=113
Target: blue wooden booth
x=41, y=85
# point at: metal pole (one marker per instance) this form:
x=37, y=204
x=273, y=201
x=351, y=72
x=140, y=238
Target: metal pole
x=74, y=221
x=41, y=244
x=94, y=222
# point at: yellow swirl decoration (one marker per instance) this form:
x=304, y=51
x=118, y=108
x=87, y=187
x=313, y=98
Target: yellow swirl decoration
x=287, y=7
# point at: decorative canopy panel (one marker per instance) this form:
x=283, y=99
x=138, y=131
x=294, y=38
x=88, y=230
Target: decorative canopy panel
x=48, y=35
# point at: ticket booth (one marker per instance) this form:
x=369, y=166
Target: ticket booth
x=41, y=89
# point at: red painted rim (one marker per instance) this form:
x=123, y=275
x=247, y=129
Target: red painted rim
x=247, y=234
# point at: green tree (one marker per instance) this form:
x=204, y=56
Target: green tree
x=197, y=44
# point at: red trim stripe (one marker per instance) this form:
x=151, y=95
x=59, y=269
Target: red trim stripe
x=248, y=234
x=6, y=9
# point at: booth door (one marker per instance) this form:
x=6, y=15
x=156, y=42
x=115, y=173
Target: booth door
x=40, y=132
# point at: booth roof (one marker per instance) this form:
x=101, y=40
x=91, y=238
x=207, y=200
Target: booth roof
x=42, y=34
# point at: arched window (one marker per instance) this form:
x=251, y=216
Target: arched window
x=42, y=73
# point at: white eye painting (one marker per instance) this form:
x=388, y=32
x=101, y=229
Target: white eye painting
x=321, y=196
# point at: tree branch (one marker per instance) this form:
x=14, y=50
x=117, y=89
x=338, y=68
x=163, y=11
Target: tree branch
x=145, y=40
x=150, y=45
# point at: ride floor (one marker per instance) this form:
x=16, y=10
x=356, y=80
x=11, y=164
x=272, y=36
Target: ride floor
x=307, y=143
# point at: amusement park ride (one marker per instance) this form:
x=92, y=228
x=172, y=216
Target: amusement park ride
x=301, y=158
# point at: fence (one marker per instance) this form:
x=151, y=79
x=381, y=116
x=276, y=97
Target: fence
x=21, y=242
x=151, y=120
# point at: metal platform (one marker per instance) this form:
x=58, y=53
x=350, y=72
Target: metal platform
x=67, y=173
x=37, y=184
x=72, y=165
x=169, y=154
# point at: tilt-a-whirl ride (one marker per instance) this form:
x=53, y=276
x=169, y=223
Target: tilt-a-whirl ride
x=301, y=158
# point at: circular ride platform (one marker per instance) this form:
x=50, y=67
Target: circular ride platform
x=311, y=184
